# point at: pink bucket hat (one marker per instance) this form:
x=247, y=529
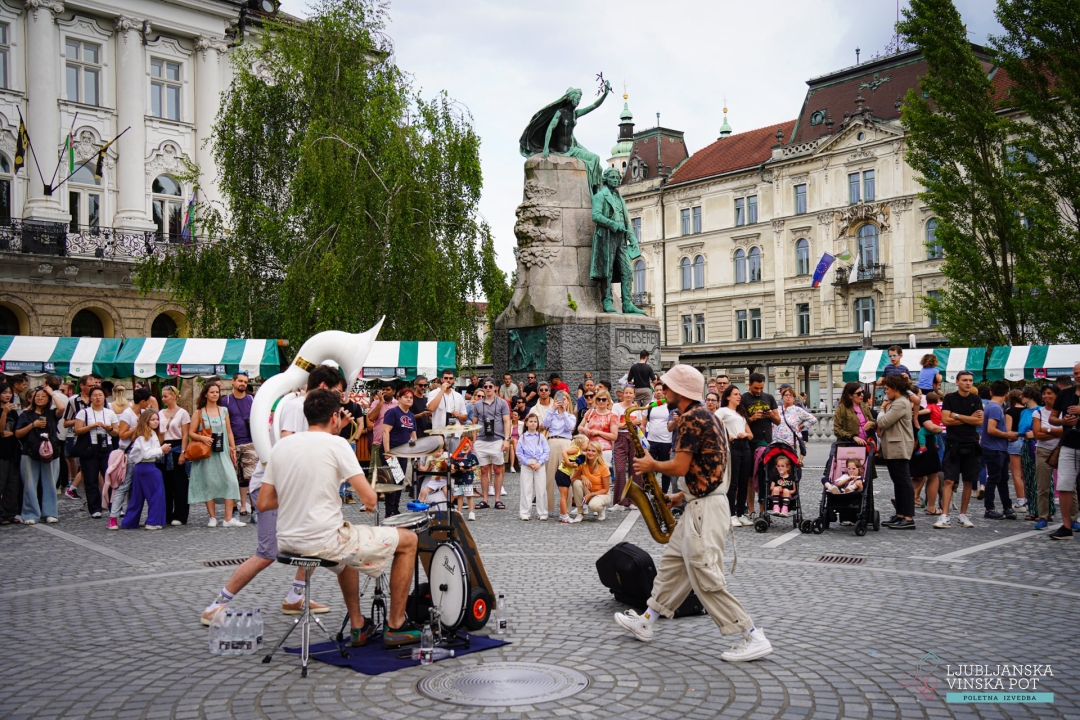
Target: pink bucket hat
x=685, y=380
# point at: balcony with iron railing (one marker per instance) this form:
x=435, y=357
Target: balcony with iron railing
x=36, y=237
x=865, y=273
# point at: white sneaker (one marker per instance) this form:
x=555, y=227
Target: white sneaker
x=491, y=492
x=176, y=523
x=574, y=510
x=943, y=523
x=543, y=518
x=603, y=515
x=577, y=518
x=1022, y=502
x=636, y=624
x=233, y=523
x=524, y=518
x=741, y=521
x=472, y=515
x=964, y=522
x=752, y=647
x=503, y=492
x=212, y=522
x=152, y=527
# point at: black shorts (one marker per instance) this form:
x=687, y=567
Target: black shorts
x=962, y=462
x=562, y=479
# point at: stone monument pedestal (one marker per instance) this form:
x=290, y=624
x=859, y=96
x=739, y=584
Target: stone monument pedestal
x=555, y=321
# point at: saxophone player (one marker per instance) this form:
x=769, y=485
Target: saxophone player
x=694, y=556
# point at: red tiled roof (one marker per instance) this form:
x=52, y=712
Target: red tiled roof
x=672, y=150
x=735, y=152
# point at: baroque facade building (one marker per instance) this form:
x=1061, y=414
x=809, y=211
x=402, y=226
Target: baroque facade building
x=90, y=70
x=731, y=235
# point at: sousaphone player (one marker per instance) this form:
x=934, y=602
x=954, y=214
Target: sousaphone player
x=694, y=556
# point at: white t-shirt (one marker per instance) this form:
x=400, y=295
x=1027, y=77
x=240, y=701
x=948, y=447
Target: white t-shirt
x=292, y=415
x=306, y=470
x=60, y=401
x=656, y=427
x=450, y=402
x=734, y=423
x=90, y=416
x=130, y=417
x=174, y=429
x=540, y=411
x=1044, y=420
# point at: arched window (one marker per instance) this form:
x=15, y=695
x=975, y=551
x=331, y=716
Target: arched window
x=755, y=264
x=740, y=266
x=802, y=256
x=933, y=247
x=9, y=322
x=84, y=200
x=164, y=327
x=639, y=281
x=86, y=323
x=699, y=271
x=5, y=190
x=167, y=207
x=868, y=246
x=687, y=278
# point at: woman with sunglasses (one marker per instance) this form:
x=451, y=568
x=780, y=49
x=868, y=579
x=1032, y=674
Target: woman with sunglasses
x=601, y=425
x=853, y=419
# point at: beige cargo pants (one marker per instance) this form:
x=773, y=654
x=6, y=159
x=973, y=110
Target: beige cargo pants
x=694, y=559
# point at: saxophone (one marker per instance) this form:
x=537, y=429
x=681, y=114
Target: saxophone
x=650, y=500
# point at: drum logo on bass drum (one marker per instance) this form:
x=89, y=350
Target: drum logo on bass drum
x=446, y=564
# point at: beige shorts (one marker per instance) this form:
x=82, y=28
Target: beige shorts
x=247, y=460
x=366, y=548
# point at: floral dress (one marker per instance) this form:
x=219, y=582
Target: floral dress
x=215, y=477
x=793, y=418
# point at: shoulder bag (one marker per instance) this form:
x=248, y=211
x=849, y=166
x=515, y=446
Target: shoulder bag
x=199, y=450
x=83, y=447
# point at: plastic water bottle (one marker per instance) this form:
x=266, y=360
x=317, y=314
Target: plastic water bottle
x=258, y=618
x=249, y=633
x=437, y=654
x=502, y=616
x=427, y=645
x=216, y=627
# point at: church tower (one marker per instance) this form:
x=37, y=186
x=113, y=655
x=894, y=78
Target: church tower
x=620, y=154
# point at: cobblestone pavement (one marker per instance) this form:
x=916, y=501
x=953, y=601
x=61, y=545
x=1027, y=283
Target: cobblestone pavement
x=105, y=625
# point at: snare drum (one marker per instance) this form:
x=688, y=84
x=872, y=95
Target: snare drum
x=415, y=521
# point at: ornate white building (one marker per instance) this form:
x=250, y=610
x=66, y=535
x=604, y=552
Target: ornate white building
x=153, y=70
x=731, y=235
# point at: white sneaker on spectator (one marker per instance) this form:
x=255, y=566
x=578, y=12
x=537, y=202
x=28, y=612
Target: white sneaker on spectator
x=752, y=647
x=636, y=624
x=212, y=522
x=176, y=523
x=943, y=523
x=233, y=523
x=603, y=515
x=964, y=522
x=472, y=515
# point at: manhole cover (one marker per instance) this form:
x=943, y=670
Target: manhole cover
x=503, y=683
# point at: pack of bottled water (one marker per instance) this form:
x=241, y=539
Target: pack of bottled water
x=236, y=632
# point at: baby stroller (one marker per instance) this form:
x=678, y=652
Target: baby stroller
x=768, y=475
x=856, y=507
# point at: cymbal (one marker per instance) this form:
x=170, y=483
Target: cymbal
x=419, y=448
x=387, y=488
x=454, y=429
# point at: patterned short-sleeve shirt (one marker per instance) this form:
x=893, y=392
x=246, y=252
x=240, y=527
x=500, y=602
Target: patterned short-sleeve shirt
x=700, y=433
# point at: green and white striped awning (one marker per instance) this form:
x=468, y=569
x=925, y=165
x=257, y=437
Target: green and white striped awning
x=188, y=357
x=404, y=360
x=869, y=365
x=1032, y=362
x=57, y=355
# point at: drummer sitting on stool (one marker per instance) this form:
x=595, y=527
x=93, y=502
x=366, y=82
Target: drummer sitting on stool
x=301, y=482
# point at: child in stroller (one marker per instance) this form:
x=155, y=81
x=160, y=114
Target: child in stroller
x=849, y=490
x=779, y=486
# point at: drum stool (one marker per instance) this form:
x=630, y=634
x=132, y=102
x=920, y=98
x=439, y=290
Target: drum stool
x=305, y=617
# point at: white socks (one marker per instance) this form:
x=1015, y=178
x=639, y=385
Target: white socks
x=223, y=599
x=651, y=616
x=296, y=592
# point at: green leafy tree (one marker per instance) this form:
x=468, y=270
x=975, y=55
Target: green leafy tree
x=961, y=146
x=1040, y=51
x=347, y=196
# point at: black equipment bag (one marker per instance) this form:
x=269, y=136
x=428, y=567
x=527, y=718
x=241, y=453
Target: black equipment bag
x=628, y=572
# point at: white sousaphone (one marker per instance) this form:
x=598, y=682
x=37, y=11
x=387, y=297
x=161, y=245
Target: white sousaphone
x=348, y=350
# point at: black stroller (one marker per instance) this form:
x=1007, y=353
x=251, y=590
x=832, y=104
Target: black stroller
x=856, y=507
x=768, y=475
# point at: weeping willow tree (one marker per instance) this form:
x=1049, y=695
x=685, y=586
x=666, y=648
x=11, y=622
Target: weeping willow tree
x=347, y=196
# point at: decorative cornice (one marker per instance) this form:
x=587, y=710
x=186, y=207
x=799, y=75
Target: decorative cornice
x=55, y=6
x=778, y=226
x=901, y=205
x=826, y=218
x=124, y=24
x=856, y=214
x=205, y=43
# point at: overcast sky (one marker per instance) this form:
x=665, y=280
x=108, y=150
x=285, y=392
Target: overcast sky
x=505, y=59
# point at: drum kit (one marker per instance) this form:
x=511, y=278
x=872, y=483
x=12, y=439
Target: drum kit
x=458, y=593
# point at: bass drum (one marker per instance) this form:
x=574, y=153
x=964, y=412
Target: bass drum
x=449, y=578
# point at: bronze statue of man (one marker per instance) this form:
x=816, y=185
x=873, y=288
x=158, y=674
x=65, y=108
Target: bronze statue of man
x=614, y=244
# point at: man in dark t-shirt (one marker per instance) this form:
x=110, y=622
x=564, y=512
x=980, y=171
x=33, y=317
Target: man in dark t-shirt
x=761, y=409
x=641, y=376
x=530, y=391
x=962, y=414
x=1065, y=413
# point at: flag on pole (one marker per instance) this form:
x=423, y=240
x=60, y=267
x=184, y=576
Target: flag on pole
x=845, y=255
x=853, y=273
x=823, y=266
x=188, y=231
x=71, y=154
x=21, y=146
x=99, y=166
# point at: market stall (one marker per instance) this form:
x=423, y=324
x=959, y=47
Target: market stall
x=1031, y=362
x=404, y=360
x=190, y=357
x=866, y=366
x=62, y=356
